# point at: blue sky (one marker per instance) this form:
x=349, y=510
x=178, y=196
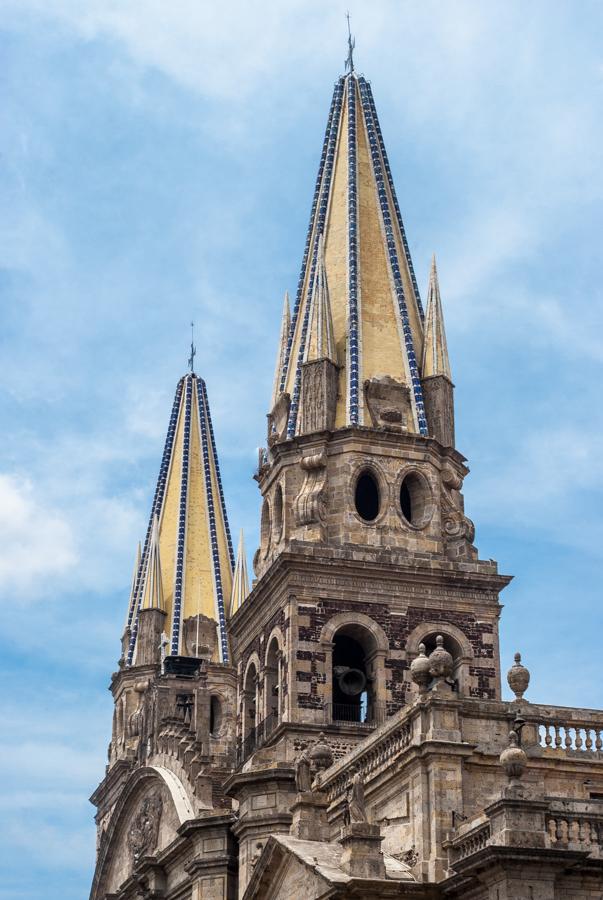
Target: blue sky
x=157, y=165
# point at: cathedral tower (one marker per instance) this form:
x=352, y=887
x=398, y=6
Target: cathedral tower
x=173, y=739
x=338, y=730
x=365, y=549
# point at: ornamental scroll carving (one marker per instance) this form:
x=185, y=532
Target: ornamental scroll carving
x=144, y=830
x=457, y=529
x=310, y=504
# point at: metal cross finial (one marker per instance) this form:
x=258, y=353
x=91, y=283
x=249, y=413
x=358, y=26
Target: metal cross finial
x=349, y=63
x=191, y=359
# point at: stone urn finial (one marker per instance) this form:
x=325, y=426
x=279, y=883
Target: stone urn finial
x=513, y=759
x=320, y=756
x=518, y=678
x=420, y=670
x=441, y=662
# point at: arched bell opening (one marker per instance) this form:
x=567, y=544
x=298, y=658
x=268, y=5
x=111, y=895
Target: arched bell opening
x=272, y=684
x=215, y=715
x=278, y=514
x=353, y=676
x=249, y=701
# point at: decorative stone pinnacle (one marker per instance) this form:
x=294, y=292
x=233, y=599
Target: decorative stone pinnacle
x=513, y=759
x=420, y=670
x=518, y=678
x=441, y=662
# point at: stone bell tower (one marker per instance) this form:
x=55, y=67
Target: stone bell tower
x=365, y=549
x=173, y=735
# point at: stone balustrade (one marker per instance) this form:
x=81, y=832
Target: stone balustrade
x=469, y=843
x=388, y=742
x=559, y=728
x=575, y=825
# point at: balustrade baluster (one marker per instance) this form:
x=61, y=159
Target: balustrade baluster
x=568, y=738
x=557, y=736
x=598, y=741
x=589, y=739
x=579, y=741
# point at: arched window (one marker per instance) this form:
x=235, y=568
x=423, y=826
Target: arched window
x=277, y=513
x=272, y=685
x=250, y=701
x=354, y=696
x=265, y=527
x=215, y=715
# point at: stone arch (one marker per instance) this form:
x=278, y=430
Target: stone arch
x=368, y=647
x=250, y=696
x=137, y=786
x=355, y=618
x=424, y=629
x=273, y=677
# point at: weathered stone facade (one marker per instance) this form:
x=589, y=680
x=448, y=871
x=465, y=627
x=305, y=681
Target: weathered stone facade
x=339, y=730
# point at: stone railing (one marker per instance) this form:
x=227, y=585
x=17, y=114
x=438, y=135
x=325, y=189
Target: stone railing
x=559, y=728
x=469, y=843
x=388, y=742
x=573, y=825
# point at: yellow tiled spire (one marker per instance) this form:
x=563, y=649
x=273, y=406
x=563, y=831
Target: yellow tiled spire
x=240, y=581
x=282, y=348
x=376, y=309
x=435, y=349
x=188, y=538
x=320, y=342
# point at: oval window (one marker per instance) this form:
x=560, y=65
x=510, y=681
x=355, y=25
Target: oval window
x=415, y=500
x=367, y=497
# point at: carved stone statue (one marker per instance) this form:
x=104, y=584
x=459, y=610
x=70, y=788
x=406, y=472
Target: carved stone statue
x=303, y=778
x=355, y=811
x=144, y=830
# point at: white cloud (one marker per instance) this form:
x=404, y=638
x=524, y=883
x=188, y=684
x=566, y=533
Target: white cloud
x=36, y=542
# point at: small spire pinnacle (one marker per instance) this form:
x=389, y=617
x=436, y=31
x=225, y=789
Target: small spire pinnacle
x=320, y=343
x=240, y=581
x=133, y=586
x=349, y=63
x=153, y=588
x=435, y=349
x=282, y=348
x=191, y=359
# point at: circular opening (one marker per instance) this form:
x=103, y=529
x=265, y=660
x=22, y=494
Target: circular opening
x=367, y=497
x=215, y=715
x=415, y=500
x=278, y=512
